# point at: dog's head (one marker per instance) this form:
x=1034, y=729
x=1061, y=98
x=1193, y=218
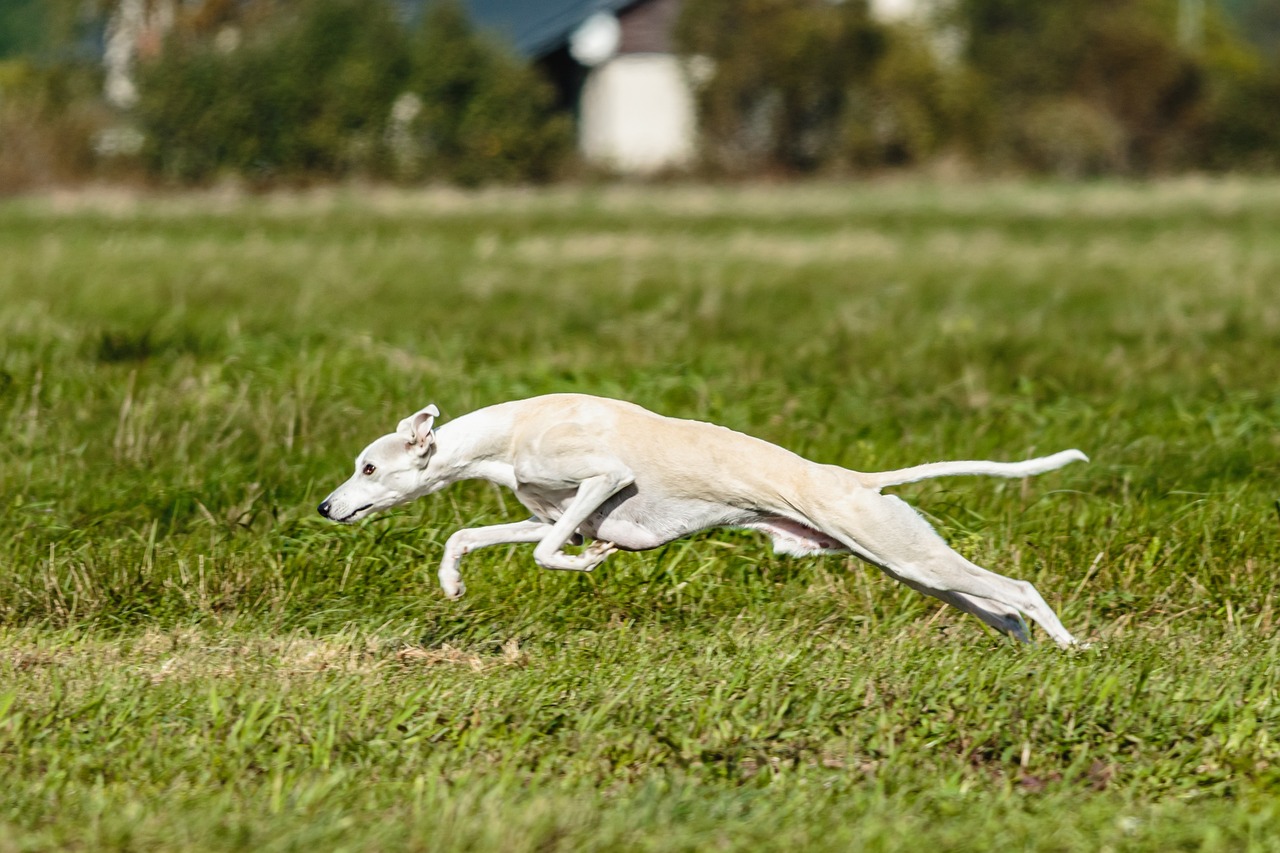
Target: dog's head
x=391, y=471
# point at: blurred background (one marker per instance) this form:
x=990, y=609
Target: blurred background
x=270, y=92
x=191, y=658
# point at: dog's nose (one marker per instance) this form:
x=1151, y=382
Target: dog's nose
x=324, y=509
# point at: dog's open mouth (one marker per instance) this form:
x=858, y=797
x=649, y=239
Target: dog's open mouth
x=347, y=519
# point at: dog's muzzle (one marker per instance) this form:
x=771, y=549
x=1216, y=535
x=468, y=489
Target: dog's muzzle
x=326, y=508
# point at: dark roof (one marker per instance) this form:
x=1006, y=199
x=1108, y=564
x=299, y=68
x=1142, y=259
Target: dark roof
x=537, y=27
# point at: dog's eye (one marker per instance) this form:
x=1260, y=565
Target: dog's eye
x=369, y=469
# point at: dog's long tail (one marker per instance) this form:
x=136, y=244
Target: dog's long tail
x=881, y=479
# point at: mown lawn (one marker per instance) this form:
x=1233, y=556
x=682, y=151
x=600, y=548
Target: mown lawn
x=191, y=658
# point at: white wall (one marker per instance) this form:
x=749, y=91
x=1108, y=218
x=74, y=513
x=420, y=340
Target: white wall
x=898, y=10
x=637, y=114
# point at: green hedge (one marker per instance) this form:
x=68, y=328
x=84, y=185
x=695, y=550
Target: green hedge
x=338, y=88
x=298, y=90
x=1069, y=87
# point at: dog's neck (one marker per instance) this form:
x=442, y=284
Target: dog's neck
x=473, y=448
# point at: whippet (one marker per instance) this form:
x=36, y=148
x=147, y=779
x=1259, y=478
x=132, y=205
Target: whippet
x=627, y=478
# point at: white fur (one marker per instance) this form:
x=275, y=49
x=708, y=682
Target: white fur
x=630, y=479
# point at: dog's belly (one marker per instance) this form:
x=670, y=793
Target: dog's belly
x=635, y=522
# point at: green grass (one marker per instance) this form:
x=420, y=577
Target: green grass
x=190, y=658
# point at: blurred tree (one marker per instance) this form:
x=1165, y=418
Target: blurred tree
x=1242, y=123
x=304, y=93
x=1082, y=86
x=331, y=88
x=484, y=115
x=23, y=27
x=781, y=72
x=1109, y=71
x=914, y=106
x=303, y=89
x=1259, y=22
x=48, y=93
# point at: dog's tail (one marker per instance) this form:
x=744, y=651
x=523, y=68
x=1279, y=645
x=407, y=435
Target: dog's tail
x=880, y=480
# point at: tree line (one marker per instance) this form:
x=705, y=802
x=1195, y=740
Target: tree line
x=270, y=91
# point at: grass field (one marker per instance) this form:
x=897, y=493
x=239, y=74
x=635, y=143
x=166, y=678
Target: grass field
x=190, y=658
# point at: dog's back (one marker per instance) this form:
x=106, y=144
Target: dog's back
x=676, y=457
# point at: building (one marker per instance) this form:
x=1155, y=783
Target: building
x=615, y=66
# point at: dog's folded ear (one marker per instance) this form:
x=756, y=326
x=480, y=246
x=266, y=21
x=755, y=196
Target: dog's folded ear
x=416, y=430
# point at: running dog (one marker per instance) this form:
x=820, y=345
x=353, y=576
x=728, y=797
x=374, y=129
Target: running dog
x=627, y=478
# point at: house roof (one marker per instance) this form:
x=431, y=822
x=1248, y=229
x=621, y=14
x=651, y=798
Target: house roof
x=537, y=27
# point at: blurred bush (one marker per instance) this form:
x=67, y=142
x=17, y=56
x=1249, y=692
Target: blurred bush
x=912, y=108
x=1070, y=137
x=49, y=115
x=295, y=90
x=1084, y=85
x=1242, y=94
x=1070, y=87
x=304, y=95
x=1078, y=87
x=780, y=76
x=472, y=112
x=335, y=88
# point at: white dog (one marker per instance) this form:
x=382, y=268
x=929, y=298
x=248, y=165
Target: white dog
x=630, y=479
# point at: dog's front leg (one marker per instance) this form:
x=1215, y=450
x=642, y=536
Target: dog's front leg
x=468, y=539
x=592, y=492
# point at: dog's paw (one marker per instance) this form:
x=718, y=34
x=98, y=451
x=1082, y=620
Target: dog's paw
x=600, y=550
x=591, y=556
x=451, y=583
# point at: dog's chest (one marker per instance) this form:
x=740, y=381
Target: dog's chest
x=546, y=504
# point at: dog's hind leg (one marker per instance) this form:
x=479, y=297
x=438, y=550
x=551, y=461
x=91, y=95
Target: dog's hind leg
x=887, y=532
x=791, y=537
x=1005, y=619
x=468, y=539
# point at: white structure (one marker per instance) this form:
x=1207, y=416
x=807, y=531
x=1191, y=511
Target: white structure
x=123, y=28
x=134, y=26
x=614, y=64
x=891, y=11
x=637, y=114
